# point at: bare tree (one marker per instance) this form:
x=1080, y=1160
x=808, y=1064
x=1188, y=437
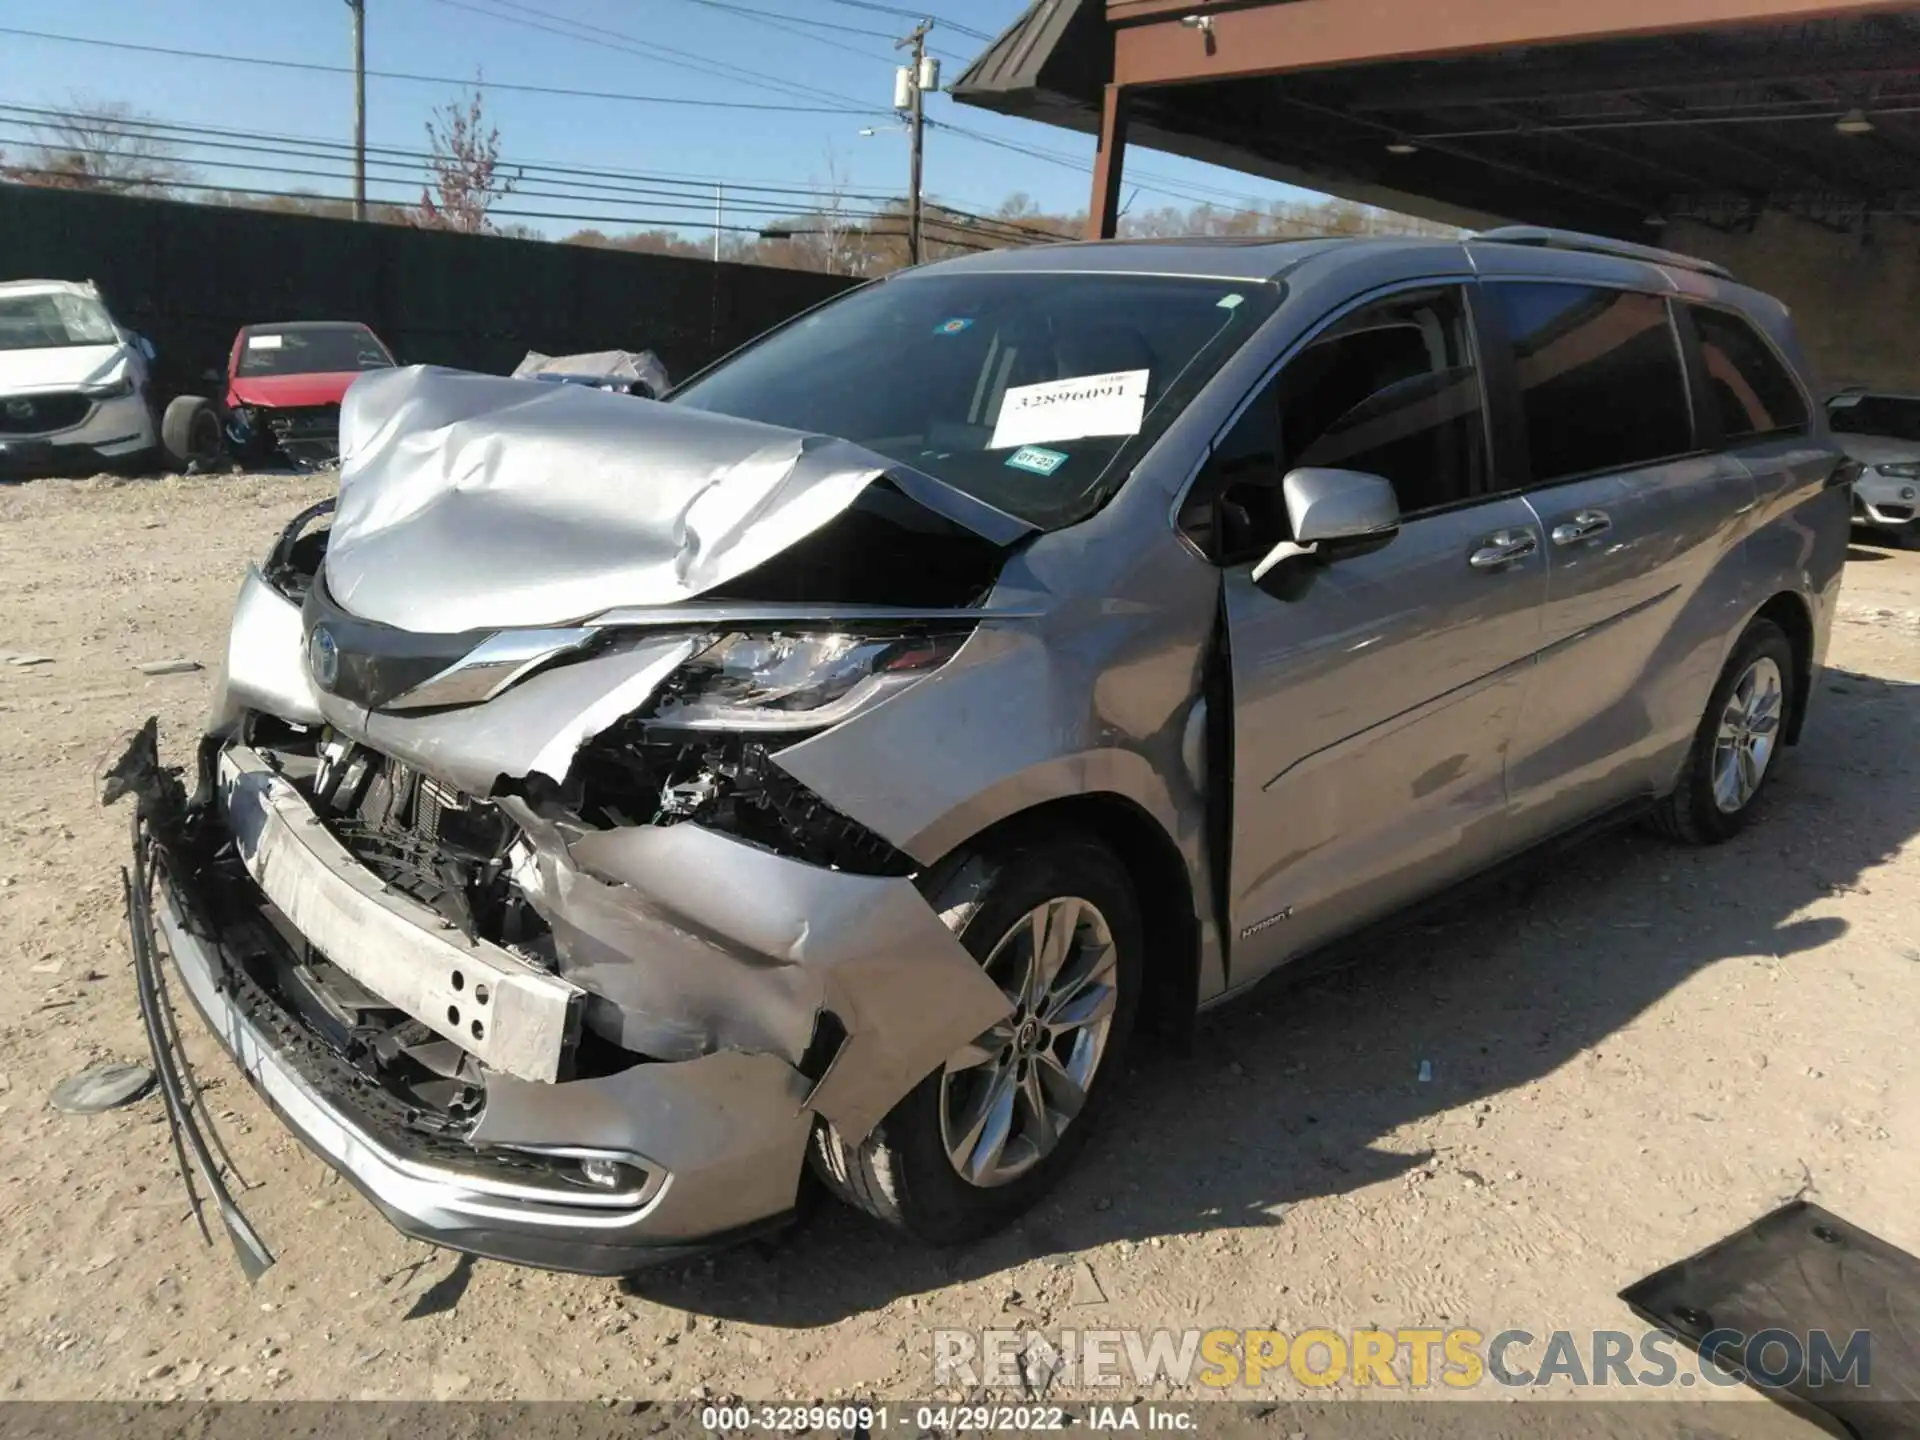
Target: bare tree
x=96, y=146
x=467, y=175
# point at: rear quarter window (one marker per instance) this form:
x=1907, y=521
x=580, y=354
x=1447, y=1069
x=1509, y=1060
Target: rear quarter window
x=1750, y=389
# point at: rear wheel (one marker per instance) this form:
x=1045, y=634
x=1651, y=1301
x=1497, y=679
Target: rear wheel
x=981, y=1139
x=190, y=432
x=1739, y=738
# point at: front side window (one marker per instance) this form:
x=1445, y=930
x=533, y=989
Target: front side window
x=1896, y=417
x=1029, y=391
x=1752, y=392
x=311, y=352
x=1392, y=390
x=53, y=319
x=1601, y=381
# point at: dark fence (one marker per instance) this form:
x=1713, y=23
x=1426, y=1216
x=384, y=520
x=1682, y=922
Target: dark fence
x=189, y=276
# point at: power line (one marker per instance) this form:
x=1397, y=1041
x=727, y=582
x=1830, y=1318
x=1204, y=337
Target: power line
x=410, y=78
x=791, y=24
x=415, y=168
x=952, y=25
x=796, y=19
x=1193, y=192
x=663, y=221
x=36, y=121
x=187, y=136
x=600, y=36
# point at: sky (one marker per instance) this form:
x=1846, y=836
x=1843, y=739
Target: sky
x=682, y=50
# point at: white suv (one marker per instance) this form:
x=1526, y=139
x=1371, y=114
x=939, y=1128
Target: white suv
x=74, y=391
x=1882, y=433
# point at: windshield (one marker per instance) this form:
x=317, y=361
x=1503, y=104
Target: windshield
x=36, y=322
x=311, y=352
x=1893, y=416
x=1032, y=392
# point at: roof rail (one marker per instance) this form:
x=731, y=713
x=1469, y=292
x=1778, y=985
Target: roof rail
x=1549, y=239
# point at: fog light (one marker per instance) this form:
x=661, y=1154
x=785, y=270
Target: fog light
x=1906, y=492
x=602, y=1174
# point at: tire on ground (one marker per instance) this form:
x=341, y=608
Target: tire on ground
x=901, y=1173
x=1690, y=813
x=190, y=431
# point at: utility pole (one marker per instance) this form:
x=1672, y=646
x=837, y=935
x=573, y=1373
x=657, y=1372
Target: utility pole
x=359, y=9
x=923, y=74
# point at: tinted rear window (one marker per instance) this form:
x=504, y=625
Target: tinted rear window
x=1600, y=378
x=1893, y=416
x=1751, y=389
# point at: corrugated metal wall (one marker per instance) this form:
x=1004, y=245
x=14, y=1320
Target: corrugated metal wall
x=189, y=276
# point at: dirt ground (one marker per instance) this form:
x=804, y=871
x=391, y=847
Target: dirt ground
x=1645, y=1050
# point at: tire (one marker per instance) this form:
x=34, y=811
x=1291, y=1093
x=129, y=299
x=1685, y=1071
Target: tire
x=901, y=1173
x=1708, y=806
x=190, y=432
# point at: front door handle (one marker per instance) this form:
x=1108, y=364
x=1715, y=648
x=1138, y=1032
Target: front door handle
x=1583, y=526
x=1503, y=548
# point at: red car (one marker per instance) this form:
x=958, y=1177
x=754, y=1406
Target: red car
x=283, y=387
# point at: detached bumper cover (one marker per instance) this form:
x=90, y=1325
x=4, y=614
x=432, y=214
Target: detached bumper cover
x=732, y=1125
x=717, y=1142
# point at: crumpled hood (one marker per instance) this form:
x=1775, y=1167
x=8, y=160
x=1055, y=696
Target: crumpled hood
x=477, y=501
x=58, y=367
x=321, y=387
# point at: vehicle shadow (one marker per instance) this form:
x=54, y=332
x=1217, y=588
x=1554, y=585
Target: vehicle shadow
x=1287, y=1092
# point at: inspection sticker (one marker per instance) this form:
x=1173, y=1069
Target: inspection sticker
x=265, y=342
x=1055, y=410
x=1034, y=459
x=953, y=326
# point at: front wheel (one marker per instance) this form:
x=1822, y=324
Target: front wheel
x=190, y=432
x=977, y=1142
x=1739, y=738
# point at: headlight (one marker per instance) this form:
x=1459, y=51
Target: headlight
x=1901, y=470
x=117, y=388
x=762, y=681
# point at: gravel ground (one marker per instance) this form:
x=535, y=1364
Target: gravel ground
x=1632, y=1054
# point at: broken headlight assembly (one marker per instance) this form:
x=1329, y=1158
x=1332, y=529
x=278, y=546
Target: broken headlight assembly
x=116, y=385
x=794, y=681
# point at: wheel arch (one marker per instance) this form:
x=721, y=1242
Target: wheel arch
x=1161, y=883
x=1791, y=612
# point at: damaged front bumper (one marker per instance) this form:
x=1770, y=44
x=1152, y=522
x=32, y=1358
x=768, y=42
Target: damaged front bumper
x=798, y=992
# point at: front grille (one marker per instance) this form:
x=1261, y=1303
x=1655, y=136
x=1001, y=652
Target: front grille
x=42, y=414
x=309, y=422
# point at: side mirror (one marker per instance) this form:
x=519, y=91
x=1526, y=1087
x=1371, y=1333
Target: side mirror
x=1335, y=515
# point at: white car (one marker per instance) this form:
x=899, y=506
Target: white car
x=1881, y=433
x=74, y=392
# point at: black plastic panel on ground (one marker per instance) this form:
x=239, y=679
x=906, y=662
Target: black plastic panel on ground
x=1804, y=1272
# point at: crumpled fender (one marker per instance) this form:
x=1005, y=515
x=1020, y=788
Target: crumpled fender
x=696, y=942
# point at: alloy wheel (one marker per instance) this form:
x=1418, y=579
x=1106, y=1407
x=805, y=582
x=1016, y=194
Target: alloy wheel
x=1006, y=1098
x=1749, y=731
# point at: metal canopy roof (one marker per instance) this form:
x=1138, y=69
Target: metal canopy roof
x=1612, y=135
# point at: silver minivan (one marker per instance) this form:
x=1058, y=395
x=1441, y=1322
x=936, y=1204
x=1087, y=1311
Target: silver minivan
x=613, y=805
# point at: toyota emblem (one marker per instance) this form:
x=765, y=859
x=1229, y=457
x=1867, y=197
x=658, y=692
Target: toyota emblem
x=323, y=656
